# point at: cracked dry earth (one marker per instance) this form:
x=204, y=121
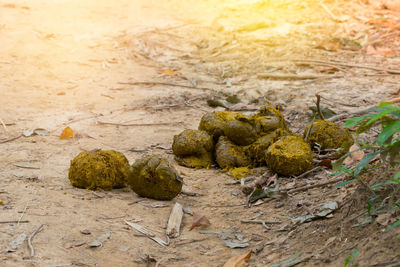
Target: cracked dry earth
x=95, y=66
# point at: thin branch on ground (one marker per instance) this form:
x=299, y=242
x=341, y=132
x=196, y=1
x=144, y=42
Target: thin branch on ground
x=343, y=64
x=305, y=188
x=16, y=221
x=10, y=139
x=139, y=124
x=296, y=76
x=30, y=240
x=347, y=114
x=23, y=213
x=264, y=223
x=321, y=116
x=169, y=84
x=308, y=172
x=4, y=125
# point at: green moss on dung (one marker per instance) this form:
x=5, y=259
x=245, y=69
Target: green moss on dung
x=328, y=135
x=229, y=155
x=193, y=149
x=289, y=156
x=213, y=123
x=239, y=173
x=153, y=177
x=99, y=169
x=241, y=133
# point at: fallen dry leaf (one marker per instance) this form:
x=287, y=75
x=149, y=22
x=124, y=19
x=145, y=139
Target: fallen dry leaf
x=354, y=157
x=273, y=180
x=329, y=46
x=326, y=163
x=199, y=220
x=397, y=92
x=169, y=72
x=67, y=133
x=239, y=261
x=384, y=23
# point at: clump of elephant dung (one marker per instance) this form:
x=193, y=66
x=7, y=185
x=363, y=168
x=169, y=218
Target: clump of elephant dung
x=193, y=149
x=229, y=155
x=154, y=177
x=328, y=135
x=99, y=169
x=214, y=122
x=291, y=155
x=241, y=141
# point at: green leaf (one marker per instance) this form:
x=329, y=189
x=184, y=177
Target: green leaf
x=397, y=175
x=351, y=257
x=366, y=125
x=370, y=203
x=354, y=121
x=395, y=224
x=375, y=186
x=345, y=183
x=388, y=131
x=365, y=161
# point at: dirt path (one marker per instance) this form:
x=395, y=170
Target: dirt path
x=71, y=62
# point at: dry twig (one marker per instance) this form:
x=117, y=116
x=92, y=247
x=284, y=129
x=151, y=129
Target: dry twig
x=23, y=213
x=30, y=239
x=169, y=84
x=4, y=222
x=139, y=124
x=296, y=76
x=343, y=64
x=10, y=139
x=321, y=116
x=264, y=223
x=304, y=188
x=308, y=172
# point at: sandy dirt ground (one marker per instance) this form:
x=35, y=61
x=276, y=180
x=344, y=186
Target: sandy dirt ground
x=96, y=66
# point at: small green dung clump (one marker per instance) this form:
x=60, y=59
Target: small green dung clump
x=193, y=149
x=153, y=177
x=240, y=132
x=213, y=123
x=229, y=155
x=256, y=151
x=99, y=169
x=266, y=124
x=289, y=156
x=239, y=173
x=328, y=135
x=270, y=111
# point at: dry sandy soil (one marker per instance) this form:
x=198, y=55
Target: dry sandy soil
x=96, y=66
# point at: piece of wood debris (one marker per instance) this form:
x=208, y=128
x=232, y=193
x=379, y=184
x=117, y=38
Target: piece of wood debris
x=153, y=204
x=149, y=234
x=26, y=166
x=15, y=243
x=175, y=221
x=98, y=242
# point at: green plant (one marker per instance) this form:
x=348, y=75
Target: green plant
x=351, y=259
x=387, y=145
